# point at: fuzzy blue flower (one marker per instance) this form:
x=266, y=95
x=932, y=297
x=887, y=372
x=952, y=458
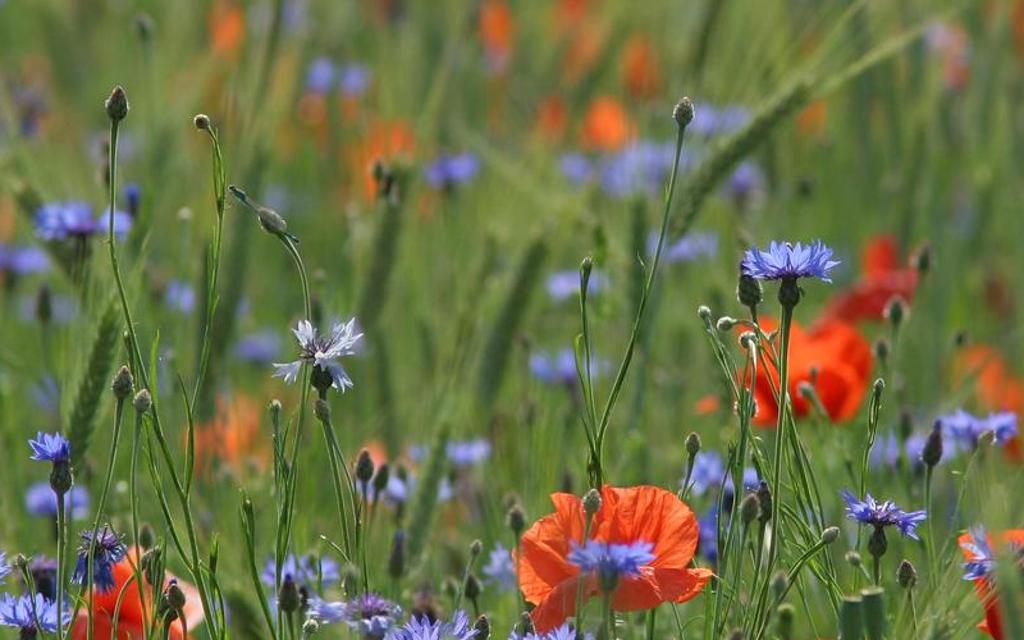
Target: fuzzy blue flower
x=965, y=429
x=307, y=570
x=468, y=453
x=109, y=549
x=322, y=352
x=180, y=296
x=563, y=285
x=258, y=348
x=23, y=261
x=611, y=560
x=320, y=76
x=576, y=168
x=40, y=500
x=44, y=575
x=5, y=569
x=787, y=261
x=52, y=447
x=74, y=219
x=689, y=248
x=500, y=570
x=560, y=368
x=448, y=172
x=882, y=514
x=708, y=472
x=31, y=614
x=708, y=531
x=354, y=79
x=564, y=632
x=369, y=615
x=421, y=628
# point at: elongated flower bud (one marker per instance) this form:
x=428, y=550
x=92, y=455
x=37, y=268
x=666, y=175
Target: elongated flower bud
x=117, y=105
x=906, y=575
x=123, y=383
x=592, y=502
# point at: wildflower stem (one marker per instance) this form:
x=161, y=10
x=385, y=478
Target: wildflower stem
x=930, y=538
x=62, y=535
x=133, y=498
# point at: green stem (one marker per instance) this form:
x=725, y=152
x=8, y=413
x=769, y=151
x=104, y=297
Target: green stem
x=133, y=497
x=62, y=534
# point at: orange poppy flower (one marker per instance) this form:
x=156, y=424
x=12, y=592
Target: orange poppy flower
x=883, y=279
x=992, y=624
x=583, y=52
x=385, y=140
x=235, y=438
x=995, y=386
x=132, y=617
x=606, y=126
x=570, y=13
x=627, y=516
x=497, y=29
x=640, y=68
x=552, y=118
x=227, y=28
x=833, y=357
x=707, y=405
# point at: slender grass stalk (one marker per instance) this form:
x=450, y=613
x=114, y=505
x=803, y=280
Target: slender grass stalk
x=62, y=537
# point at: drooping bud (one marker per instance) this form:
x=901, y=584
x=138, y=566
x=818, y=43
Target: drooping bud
x=364, y=467
x=830, y=535
x=854, y=559
x=726, y=324
x=516, y=520
x=175, y=596
x=201, y=121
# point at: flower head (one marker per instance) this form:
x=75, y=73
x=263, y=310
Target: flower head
x=108, y=549
x=553, y=567
x=422, y=628
x=52, y=447
x=560, y=368
x=966, y=429
x=562, y=285
x=323, y=352
x=354, y=79
x=370, y=615
x=448, y=172
x=23, y=261
x=258, y=348
x=979, y=567
x=882, y=514
x=500, y=569
x=320, y=76
x=180, y=296
x=564, y=632
x=31, y=614
x=689, y=248
x=63, y=220
x=981, y=559
x=786, y=261
x=40, y=500
x=306, y=570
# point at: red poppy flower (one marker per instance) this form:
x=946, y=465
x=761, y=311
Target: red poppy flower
x=627, y=516
x=132, y=617
x=992, y=624
x=833, y=357
x=883, y=279
x=497, y=29
x=640, y=70
x=606, y=126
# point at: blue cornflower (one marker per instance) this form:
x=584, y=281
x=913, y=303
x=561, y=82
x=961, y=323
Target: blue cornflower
x=708, y=531
x=564, y=632
x=448, y=172
x=562, y=285
x=31, y=614
x=882, y=514
x=180, y=296
x=259, y=348
x=500, y=569
x=689, y=248
x=576, y=167
x=966, y=429
x=52, y=447
x=307, y=570
x=786, y=261
x=982, y=560
x=746, y=182
x=370, y=615
x=468, y=453
x=354, y=79
x=611, y=561
x=40, y=500
x=422, y=628
x=399, y=489
x=44, y=575
x=323, y=352
x=560, y=368
x=5, y=569
x=109, y=549
x=320, y=76
x=23, y=261
x=74, y=219
x=708, y=472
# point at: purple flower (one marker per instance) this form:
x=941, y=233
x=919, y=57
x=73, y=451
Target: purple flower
x=689, y=248
x=40, y=500
x=641, y=167
x=23, y=261
x=448, y=172
x=560, y=368
x=562, y=285
x=399, y=489
x=107, y=550
x=882, y=514
x=708, y=472
x=786, y=261
x=323, y=352
x=180, y=296
x=576, y=168
x=500, y=569
x=421, y=628
x=746, y=182
x=320, y=76
x=31, y=614
x=966, y=429
x=133, y=198
x=259, y=348
x=469, y=452
x=44, y=575
x=354, y=80
x=307, y=570
x=74, y=219
x=370, y=615
x=711, y=121
x=564, y=632
x=611, y=561
x=52, y=447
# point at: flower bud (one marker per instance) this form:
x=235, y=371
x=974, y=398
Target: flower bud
x=61, y=478
x=175, y=596
x=117, y=105
x=693, y=444
x=704, y=312
x=922, y=260
x=364, y=467
x=516, y=520
x=683, y=112
x=482, y=627
x=147, y=537
x=749, y=291
x=476, y=548
x=877, y=544
x=749, y=509
x=381, y=478
x=764, y=500
x=288, y=596
x=123, y=383
x=882, y=349
x=726, y=324
x=906, y=575
x=779, y=583
x=44, y=305
x=931, y=454
x=854, y=559
x=201, y=122
x=592, y=502
x=473, y=588
x=143, y=401
x=830, y=535
x=896, y=311
x=310, y=627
